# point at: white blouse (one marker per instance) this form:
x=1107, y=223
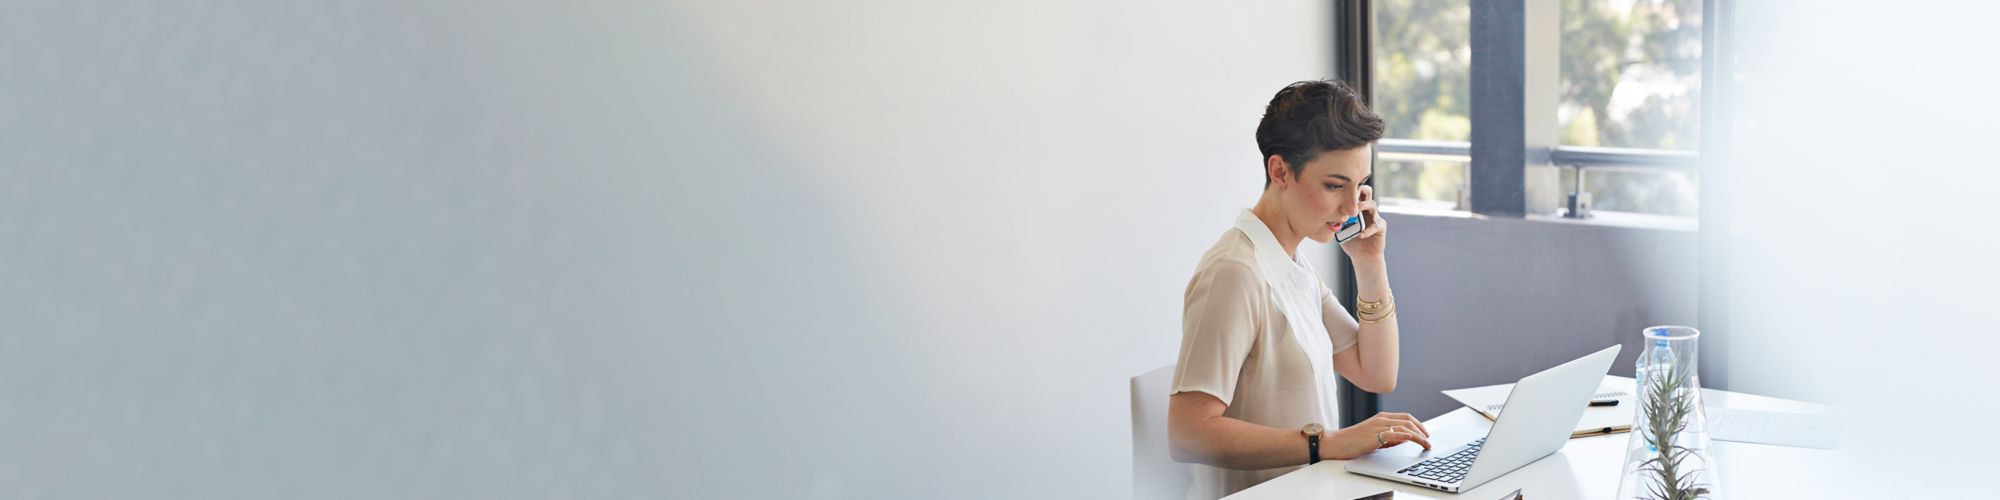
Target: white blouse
x=1258, y=331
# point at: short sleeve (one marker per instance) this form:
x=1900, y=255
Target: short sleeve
x=1218, y=328
x=1340, y=327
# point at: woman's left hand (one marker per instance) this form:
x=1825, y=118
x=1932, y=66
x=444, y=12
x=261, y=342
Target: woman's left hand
x=1373, y=240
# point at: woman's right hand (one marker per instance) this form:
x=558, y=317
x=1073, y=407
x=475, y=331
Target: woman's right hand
x=1361, y=439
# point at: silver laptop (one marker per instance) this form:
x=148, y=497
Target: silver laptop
x=1542, y=411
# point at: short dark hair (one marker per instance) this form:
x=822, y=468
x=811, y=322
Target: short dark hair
x=1312, y=117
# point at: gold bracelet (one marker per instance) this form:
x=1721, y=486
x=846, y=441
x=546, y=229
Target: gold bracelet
x=1392, y=314
x=1378, y=315
x=1371, y=307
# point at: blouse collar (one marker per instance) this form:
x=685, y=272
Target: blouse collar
x=1270, y=255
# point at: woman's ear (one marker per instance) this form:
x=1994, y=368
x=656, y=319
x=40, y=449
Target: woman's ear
x=1277, y=172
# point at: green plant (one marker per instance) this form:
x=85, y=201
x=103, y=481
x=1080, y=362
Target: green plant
x=1667, y=406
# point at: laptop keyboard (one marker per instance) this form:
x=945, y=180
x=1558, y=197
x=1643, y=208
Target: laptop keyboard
x=1449, y=468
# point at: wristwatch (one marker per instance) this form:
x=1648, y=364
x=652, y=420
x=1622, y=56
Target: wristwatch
x=1312, y=432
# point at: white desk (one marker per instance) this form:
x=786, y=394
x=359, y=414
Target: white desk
x=1587, y=468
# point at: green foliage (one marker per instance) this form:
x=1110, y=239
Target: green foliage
x=1667, y=405
x=1423, y=59
x=1630, y=78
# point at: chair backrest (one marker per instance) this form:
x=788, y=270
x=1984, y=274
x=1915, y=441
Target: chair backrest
x=1155, y=474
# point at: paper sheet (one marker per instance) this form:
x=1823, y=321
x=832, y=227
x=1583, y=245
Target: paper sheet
x=1785, y=429
x=1596, y=420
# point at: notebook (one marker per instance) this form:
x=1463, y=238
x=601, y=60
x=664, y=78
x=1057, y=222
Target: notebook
x=1490, y=400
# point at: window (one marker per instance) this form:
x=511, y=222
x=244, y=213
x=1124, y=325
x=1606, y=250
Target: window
x=1422, y=62
x=1631, y=74
x=1628, y=111
x=1631, y=78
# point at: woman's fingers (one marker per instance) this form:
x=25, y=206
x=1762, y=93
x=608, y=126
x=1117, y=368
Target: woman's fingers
x=1398, y=428
x=1373, y=219
x=1414, y=423
x=1368, y=205
x=1375, y=227
x=1405, y=419
x=1422, y=440
x=1402, y=435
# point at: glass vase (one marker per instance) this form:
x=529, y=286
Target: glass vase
x=1667, y=457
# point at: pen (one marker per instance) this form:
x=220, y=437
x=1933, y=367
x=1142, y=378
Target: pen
x=1592, y=432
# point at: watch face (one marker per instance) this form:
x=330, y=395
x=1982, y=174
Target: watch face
x=1313, y=429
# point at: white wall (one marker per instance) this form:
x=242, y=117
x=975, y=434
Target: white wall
x=1859, y=247
x=609, y=249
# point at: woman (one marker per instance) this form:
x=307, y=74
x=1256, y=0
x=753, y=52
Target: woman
x=1261, y=336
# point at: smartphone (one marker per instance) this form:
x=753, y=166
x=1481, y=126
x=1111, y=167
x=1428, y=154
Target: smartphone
x=1353, y=226
x=1349, y=229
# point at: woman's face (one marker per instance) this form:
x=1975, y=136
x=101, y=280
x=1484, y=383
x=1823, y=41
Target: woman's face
x=1326, y=192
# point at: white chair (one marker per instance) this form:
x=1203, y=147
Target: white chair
x=1155, y=474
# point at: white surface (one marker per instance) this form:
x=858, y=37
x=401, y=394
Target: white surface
x=607, y=249
x=1587, y=468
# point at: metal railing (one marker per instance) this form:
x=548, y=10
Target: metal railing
x=1578, y=158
